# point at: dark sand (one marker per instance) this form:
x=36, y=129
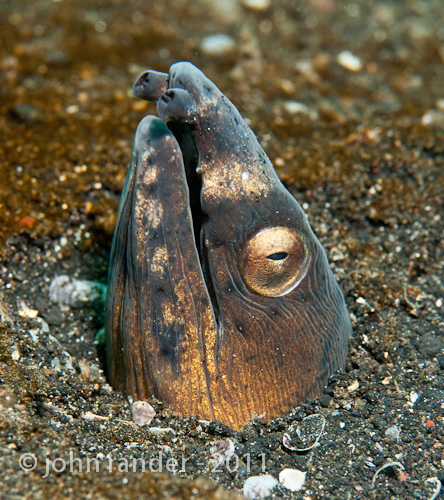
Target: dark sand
x=365, y=158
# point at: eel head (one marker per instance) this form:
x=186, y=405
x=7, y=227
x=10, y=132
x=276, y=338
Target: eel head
x=220, y=301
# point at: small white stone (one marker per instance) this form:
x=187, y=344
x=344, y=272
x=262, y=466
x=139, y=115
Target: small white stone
x=55, y=364
x=438, y=303
x=349, y=61
x=433, y=117
x=72, y=109
x=353, y=386
x=292, y=479
x=258, y=5
x=143, y=413
x=27, y=312
x=161, y=430
x=413, y=397
x=218, y=44
x=15, y=356
x=295, y=107
x=89, y=416
x=259, y=486
x=43, y=324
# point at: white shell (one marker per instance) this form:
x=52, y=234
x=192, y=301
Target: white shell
x=69, y=292
x=259, y=486
x=143, y=413
x=292, y=479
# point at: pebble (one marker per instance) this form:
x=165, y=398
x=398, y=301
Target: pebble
x=433, y=117
x=62, y=362
x=222, y=450
x=143, y=413
x=43, y=324
x=162, y=430
x=15, y=356
x=292, y=479
x=90, y=372
x=91, y=417
x=353, y=386
x=26, y=113
x=227, y=12
x=430, y=346
x=349, y=61
x=259, y=486
x=393, y=432
x=28, y=222
x=5, y=318
x=7, y=398
x=258, y=5
x=295, y=107
x=218, y=44
x=27, y=312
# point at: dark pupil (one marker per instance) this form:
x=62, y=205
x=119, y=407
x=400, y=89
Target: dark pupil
x=278, y=256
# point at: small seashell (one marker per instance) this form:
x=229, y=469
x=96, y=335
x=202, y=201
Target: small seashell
x=386, y=466
x=393, y=432
x=143, y=413
x=292, y=479
x=259, y=486
x=307, y=435
x=69, y=292
x=438, y=485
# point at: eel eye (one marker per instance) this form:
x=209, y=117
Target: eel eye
x=274, y=261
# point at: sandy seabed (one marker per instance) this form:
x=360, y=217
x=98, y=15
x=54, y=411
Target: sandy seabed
x=348, y=101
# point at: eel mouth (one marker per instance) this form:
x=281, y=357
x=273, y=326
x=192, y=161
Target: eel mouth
x=190, y=154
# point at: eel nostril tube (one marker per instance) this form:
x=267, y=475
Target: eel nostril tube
x=150, y=85
x=167, y=96
x=177, y=105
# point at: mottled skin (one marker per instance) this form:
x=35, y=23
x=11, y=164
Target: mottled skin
x=186, y=325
